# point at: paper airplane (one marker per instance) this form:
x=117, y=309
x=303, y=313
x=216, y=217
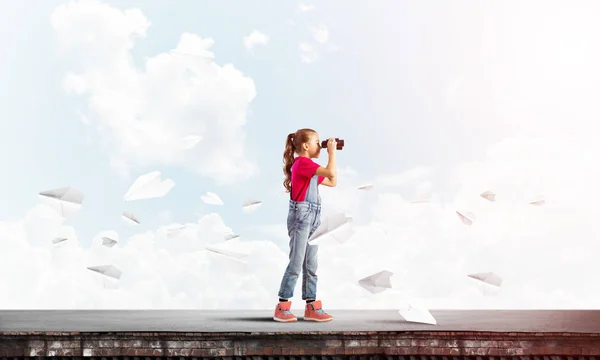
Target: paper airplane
x=366, y=187
x=65, y=201
x=130, y=218
x=149, y=186
x=378, y=282
x=107, y=270
x=251, y=206
x=488, y=195
x=231, y=237
x=58, y=240
x=488, y=278
x=189, y=142
x=176, y=231
x=538, y=201
x=466, y=217
x=227, y=253
x=338, y=226
x=212, y=199
x=417, y=314
x=108, y=242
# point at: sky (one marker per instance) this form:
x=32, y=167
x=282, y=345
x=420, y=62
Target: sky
x=440, y=102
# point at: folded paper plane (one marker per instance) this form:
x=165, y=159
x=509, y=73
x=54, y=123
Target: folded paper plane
x=149, y=186
x=212, y=199
x=58, y=240
x=251, y=206
x=337, y=226
x=466, y=217
x=107, y=270
x=65, y=201
x=415, y=314
x=488, y=278
x=378, y=282
x=488, y=195
x=129, y=218
x=366, y=187
x=108, y=242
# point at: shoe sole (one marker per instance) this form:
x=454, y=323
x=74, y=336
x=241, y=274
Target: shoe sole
x=317, y=320
x=283, y=320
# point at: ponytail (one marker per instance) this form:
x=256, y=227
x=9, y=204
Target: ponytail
x=294, y=141
x=288, y=161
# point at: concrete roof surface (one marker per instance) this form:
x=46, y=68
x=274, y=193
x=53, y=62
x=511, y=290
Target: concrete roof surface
x=578, y=321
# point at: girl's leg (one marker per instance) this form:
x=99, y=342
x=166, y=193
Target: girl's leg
x=299, y=225
x=310, y=265
x=309, y=273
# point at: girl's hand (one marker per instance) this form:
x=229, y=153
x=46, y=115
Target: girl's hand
x=331, y=145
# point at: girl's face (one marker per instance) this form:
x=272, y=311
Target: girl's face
x=314, y=146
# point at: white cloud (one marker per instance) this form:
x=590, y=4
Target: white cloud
x=158, y=272
x=308, y=53
x=305, y=8
x=540, y=252
x=146, y=111
x=255, y=38
x=320, y=33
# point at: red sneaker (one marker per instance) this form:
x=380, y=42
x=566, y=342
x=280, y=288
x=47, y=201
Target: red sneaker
x=314, y=312
x=283, y=313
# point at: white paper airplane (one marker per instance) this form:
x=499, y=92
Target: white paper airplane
x=378, y=282
x=366, y=187
x=107, y=270
x=149, y=186
x=231, y=237
x=417, y=314
x=488, y=278
x=251, y=206
x=227, y=253
x=466, y=217
x=189, y=142
x=58, y=240
x=129, y=218
x=65, y=201
x=176, y=231
x=488, y=195
x=212, y=199
x=108, y=242
x=338, y=226
x=538, y=201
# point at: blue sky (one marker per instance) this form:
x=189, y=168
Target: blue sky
x=448, y=100
x=336, y=100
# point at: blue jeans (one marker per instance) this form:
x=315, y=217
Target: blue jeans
x=303, y=220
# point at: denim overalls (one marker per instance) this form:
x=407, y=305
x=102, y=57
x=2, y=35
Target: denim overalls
x=304, y=217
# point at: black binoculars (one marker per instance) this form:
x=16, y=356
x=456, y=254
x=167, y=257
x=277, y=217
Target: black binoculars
x=340, y=144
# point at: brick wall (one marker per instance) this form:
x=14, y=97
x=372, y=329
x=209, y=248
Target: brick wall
x=272, y=345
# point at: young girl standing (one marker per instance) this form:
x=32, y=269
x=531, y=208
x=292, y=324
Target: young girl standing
x=302, y=178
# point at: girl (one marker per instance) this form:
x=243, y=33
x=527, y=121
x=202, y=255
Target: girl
x=302, y=177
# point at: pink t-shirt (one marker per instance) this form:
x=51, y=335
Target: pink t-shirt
x=302, y=171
